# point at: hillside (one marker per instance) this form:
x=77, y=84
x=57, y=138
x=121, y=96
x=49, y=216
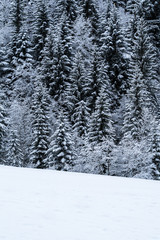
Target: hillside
x=80, y=86
x=44, y=204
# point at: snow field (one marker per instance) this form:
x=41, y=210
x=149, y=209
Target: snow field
x=44, y=204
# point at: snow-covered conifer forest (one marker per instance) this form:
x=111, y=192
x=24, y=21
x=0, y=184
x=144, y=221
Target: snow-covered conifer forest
x=80, y=86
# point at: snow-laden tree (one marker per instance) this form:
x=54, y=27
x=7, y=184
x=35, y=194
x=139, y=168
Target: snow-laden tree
x=59, y=155
x=101, y=124
x=90, y=12
x=5, y=67
x=112, y=51
x=62, y=63
x=16, y=15
x=80, y=118
x=14, y=152
x=94, y=159
x=46, y=67
x=40, y=26
x=17, y=135
x=137, y=101
x=40, y=126
x=67, y=8
x=144, y=56
x=80, y=87
x=22, y=62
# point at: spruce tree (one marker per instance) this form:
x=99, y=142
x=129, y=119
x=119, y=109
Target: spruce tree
x=60, y=154
x=144, y=55
x=66, y=8
x=112, y=51
x=90, y=12
x=14, y=152
x=40, y=127
x=16, y=135
x=101, y=124
x=22, y=61
x=137, y=100
x=40, y=26
x=46, y=67
x=82, y=76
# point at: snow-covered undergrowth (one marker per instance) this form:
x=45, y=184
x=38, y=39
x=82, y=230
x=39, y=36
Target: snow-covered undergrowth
x=43, y=204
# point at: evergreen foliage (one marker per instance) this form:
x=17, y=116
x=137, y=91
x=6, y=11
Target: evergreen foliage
x=80, y=87
x=60, y=153
x=40, y=126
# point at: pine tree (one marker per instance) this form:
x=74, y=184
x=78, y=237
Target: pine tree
x=14, y=152
x=22, y=61
x=151, y=12
x=59, y=154
x=137, y=101
x=16, y=135
x=40, y=127
x=46, y=68
x=80, y=118
x=90, y=12
x=40, y=26
x=144, y=55
x=81, y=84
x=16, y=15
x=112, y=51
x=97, y=78
x=66, y=8
x=101, y=124
x=5, y=67
x=62, y=61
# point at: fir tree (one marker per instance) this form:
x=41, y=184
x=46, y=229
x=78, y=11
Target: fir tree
x=144, y=55
x=5, y=67
x=67, y=8
x=59, y=154
x=14, y=152
x=90, y=12
x=40, y=127
x=80, y=118
x=22, y=61
x=46, y=68
x=40, y=29
x=62, y=62
x=16, y=138
x=82, y=78
x=101, y=124
x=112, y=50
x=136, y=102
x=16, y=15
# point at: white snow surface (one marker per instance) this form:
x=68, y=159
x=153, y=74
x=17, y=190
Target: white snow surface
x=46, y=204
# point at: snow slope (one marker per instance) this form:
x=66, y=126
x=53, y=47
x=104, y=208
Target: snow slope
x=44, y=205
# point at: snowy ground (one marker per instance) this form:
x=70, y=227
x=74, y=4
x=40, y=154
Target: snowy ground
x=45, y=205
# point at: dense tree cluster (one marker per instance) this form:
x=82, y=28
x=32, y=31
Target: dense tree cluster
x=80, y=86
